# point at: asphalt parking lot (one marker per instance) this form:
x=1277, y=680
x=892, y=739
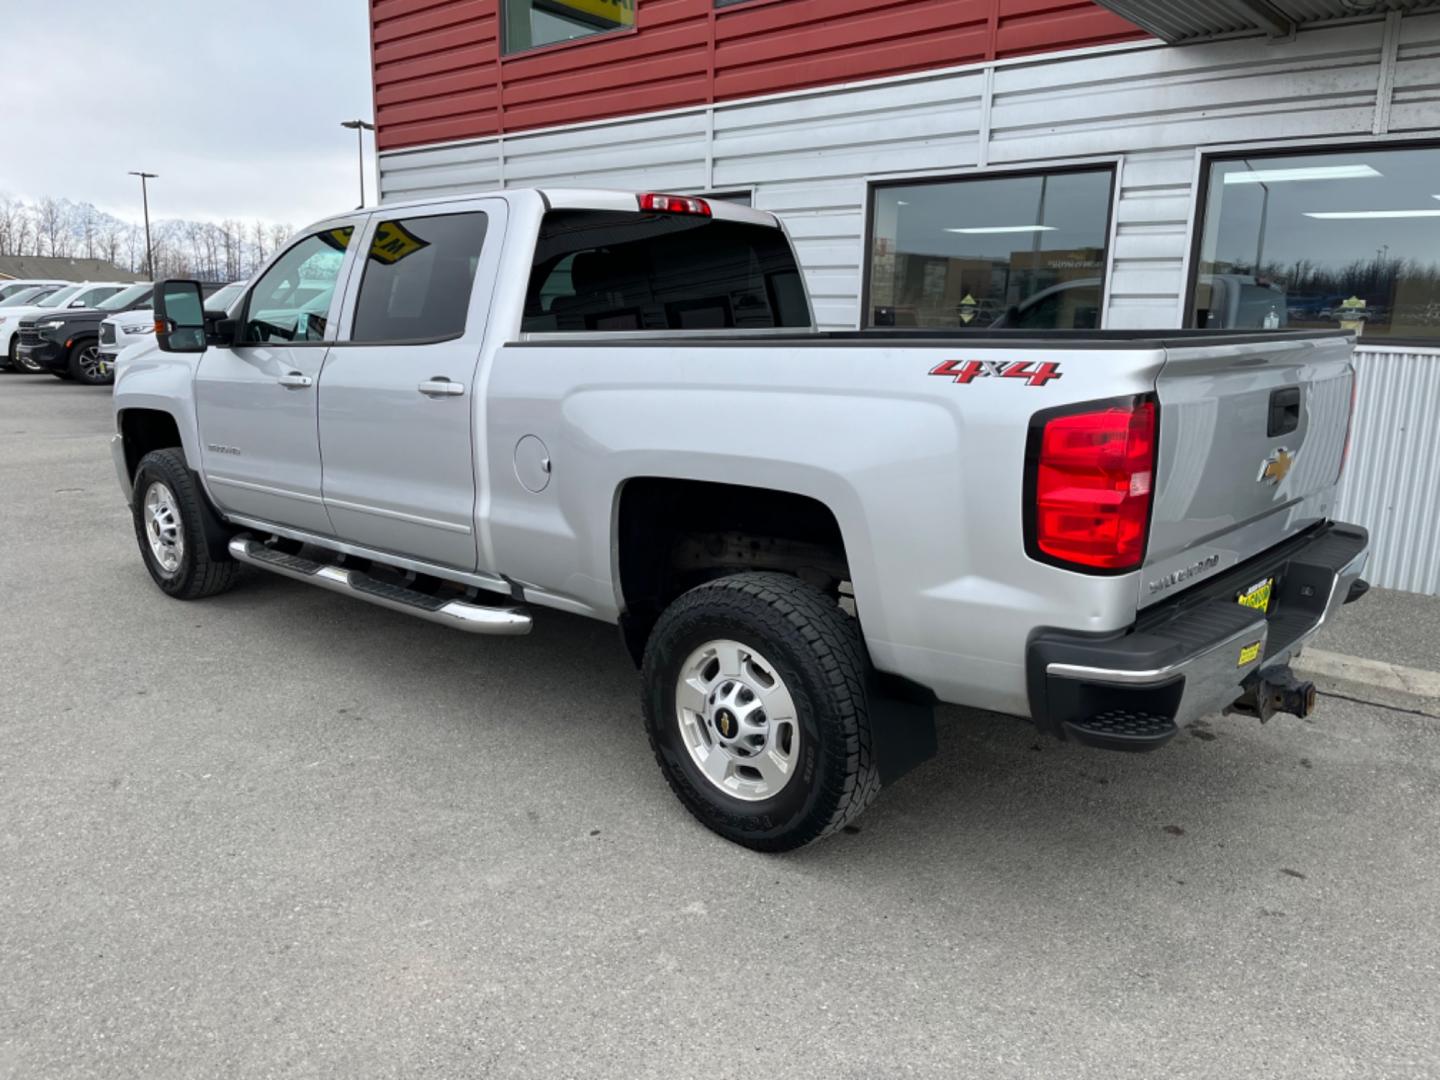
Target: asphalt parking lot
x=279, y=833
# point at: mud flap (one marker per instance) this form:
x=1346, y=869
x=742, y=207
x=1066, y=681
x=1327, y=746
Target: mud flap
x=902, y=726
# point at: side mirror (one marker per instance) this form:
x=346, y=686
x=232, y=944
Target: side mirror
x=180, y=316
x=220, y=330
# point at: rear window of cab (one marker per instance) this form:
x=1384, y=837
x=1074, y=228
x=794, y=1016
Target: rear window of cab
x=609, y=270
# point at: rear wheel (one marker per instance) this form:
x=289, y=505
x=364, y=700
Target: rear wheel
x=169, y=526
x=85, y=365
x=756, y=710
x=7, y=362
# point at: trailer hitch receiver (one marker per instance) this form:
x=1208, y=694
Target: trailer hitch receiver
x=1275, y=690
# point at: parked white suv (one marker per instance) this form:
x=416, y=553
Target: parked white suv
x=86, y=295
x=11, y=287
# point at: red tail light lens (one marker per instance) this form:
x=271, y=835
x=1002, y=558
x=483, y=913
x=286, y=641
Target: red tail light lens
x=1091, y=482
x=675, y=204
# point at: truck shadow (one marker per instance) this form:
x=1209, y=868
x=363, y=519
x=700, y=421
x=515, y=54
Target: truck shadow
x=997, y=799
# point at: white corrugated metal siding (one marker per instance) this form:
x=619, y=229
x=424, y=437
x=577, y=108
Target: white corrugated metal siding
x=1392, y=483
x=808, y=156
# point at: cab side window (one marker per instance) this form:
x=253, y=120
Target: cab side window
x=291, y=301
x=419, y=273
x=91, y=297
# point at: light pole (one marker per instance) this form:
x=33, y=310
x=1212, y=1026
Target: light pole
x=145, y=199
x=360, y=127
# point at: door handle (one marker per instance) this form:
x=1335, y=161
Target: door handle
x=440, y=386
x=295, y=381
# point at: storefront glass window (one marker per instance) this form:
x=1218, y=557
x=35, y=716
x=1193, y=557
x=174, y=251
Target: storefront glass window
x=1319, y=241
x=1023, y=252
x=530, y=24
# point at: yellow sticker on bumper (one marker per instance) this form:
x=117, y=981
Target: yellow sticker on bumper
x=1249, y=654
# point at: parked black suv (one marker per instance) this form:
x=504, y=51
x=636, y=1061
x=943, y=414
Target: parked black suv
x=65, y=342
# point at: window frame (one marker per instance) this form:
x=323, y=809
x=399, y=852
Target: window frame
x=352, y=304
x=569, y=43
x=342, y=276
x=1208, y=157
x=1113, y=164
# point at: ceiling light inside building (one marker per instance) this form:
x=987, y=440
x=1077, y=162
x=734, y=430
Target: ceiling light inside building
x=995, y=229
x=1319, y=172
x=1370, y=215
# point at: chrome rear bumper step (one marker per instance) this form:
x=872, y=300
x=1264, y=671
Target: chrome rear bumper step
x=458, y=614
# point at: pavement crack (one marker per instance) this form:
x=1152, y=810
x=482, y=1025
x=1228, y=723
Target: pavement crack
x=1380, y=705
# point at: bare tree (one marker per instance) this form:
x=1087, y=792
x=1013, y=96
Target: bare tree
x=86, y=215
x=110, y=241
x=134, y=247
x=51, y=226
x=12, y=212
x=233, y=238
x=259, y=241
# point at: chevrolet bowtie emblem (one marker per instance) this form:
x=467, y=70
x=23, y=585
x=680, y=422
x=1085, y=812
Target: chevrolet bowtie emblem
x=1276, y=467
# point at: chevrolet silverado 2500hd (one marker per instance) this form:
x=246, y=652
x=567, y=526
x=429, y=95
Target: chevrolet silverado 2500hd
x=616, y=405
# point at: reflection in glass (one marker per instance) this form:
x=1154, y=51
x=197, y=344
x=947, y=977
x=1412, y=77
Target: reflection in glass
x=1345, y=239
x=1023, y=252
x=530, y=24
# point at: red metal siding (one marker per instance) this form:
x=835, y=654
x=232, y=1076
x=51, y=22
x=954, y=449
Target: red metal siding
x=439, y=74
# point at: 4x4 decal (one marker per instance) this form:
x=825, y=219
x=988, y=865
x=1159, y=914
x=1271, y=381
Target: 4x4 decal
x=967, y=371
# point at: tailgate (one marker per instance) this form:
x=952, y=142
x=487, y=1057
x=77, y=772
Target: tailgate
x=1252, y=438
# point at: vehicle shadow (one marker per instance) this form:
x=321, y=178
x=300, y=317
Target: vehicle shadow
x=998, y=797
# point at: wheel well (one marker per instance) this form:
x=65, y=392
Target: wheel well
x=144, y=430
x=675, y=534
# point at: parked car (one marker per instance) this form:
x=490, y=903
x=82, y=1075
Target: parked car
x=66, y=298
x=10, y=287
x=137, y=325
x=27, y=295
x=66, y=343
x=618, y=406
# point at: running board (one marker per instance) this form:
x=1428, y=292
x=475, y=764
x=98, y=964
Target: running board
x=472, y=618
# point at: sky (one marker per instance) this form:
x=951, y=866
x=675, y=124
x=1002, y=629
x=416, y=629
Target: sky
x=237, y=106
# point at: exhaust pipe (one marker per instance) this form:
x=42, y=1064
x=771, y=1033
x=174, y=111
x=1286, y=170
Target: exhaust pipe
x=1275, y=690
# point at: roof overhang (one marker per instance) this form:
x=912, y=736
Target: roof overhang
x=1178, y=21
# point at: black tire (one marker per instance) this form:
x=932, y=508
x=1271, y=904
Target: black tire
x=817, y=650
x=10, y=362
x=200, y=572
x=83, y=364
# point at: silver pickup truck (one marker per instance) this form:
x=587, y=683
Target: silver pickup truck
x=617, y=405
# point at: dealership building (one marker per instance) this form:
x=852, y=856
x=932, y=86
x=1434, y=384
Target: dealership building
x=972, y=164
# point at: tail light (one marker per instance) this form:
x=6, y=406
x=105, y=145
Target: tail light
x=674, y=204
x=1089, y=485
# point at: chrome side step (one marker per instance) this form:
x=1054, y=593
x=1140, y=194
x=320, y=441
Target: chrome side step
x=472, y=618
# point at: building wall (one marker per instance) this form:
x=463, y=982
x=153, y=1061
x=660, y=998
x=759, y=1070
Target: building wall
x=1151, y=109
x=439, y=72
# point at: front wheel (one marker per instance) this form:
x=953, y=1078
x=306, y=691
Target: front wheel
x=170, y=529
x=20, y=363
x=756, y=710
x=86, y=365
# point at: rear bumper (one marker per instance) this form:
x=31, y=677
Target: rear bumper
x=1188, y=657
